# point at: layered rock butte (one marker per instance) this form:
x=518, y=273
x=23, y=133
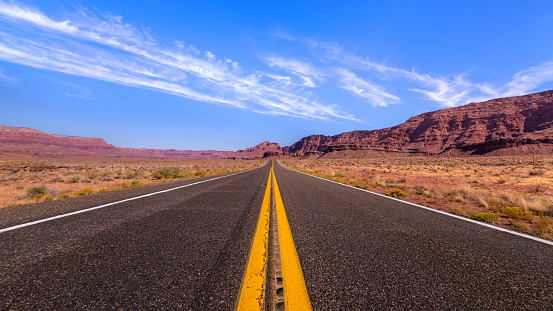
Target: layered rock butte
x=514, y=125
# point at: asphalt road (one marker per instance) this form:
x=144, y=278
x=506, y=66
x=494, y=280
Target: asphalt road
x=187, y=250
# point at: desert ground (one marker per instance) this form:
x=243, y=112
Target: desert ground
x=24, y=181
x=511, y=192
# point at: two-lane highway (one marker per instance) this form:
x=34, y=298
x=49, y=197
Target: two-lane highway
x=188, y=249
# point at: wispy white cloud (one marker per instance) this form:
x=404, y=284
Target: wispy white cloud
x=306, y=71
x=373, y=93
x=447, y=90
x=101, y=46
x=527, y=80
x=34, y=17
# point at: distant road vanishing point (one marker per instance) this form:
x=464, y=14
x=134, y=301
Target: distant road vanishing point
x=267, y=238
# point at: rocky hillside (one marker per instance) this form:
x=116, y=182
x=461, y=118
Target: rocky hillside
x=260, y=150
x=26, y=136
x=476, y=128
x=18, y=142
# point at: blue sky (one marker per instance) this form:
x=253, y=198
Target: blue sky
x=227, y=75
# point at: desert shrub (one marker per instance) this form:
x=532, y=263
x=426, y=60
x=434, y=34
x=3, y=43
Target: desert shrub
x=459, y=212
x=166, y=172
x=420, y=189
x=544, y=225
x=74, y=179
x=538, y=188
x=200, y=173
x=34, y=192
x=136, y=183
x=537, y=173
x=85, y=191
x=521, y=227
x=129, y=174
x=125, y=185
x=514, y=212
x=464, y=194
x=535, y=204
x=63, y=195
x=340, y=174
x=482, y=202
x=101, y=190
x=57, y=179
x=397, y=193
x=486, y=217
x=85, y=180
x=501, y=181
x=92, y=174
x=38, y=193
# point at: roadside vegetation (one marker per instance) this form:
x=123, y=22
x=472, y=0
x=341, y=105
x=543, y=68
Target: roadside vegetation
x=25, y=181
x=511, y=192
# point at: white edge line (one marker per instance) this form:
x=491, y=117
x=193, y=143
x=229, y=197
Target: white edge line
x=113, y=203
x=434, y=210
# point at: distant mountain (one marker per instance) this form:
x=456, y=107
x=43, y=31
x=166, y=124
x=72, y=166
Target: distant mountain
x=516, y=124
x=260, y=150
x=513, y=125
x=18, y=142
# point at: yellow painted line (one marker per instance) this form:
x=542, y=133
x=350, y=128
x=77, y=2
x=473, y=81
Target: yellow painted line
x=252, y=294
x=295, y=292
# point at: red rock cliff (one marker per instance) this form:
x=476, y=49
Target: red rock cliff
x=529, y=116
x=26, y=136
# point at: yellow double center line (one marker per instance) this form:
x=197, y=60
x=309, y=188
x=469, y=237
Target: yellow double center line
x=252, y=295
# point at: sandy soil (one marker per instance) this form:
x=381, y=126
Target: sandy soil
x=24, y=181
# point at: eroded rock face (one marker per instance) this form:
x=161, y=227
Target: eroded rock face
x=21, y=135
x=19, y=142
x=259, y=150
x=529, y=116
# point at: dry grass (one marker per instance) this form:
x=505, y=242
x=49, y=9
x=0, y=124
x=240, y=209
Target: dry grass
x=518, y=191
x=24, y=181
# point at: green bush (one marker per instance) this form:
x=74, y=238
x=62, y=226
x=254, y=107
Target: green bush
x=397, y=193
x=85, y=191
x=486, y=217
x=129, y=174
x=521, y=227
x=514, y=212
x=35, y=192
x=340, y=174
x=136, y=183
x=166, y=172
x=74, y=179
